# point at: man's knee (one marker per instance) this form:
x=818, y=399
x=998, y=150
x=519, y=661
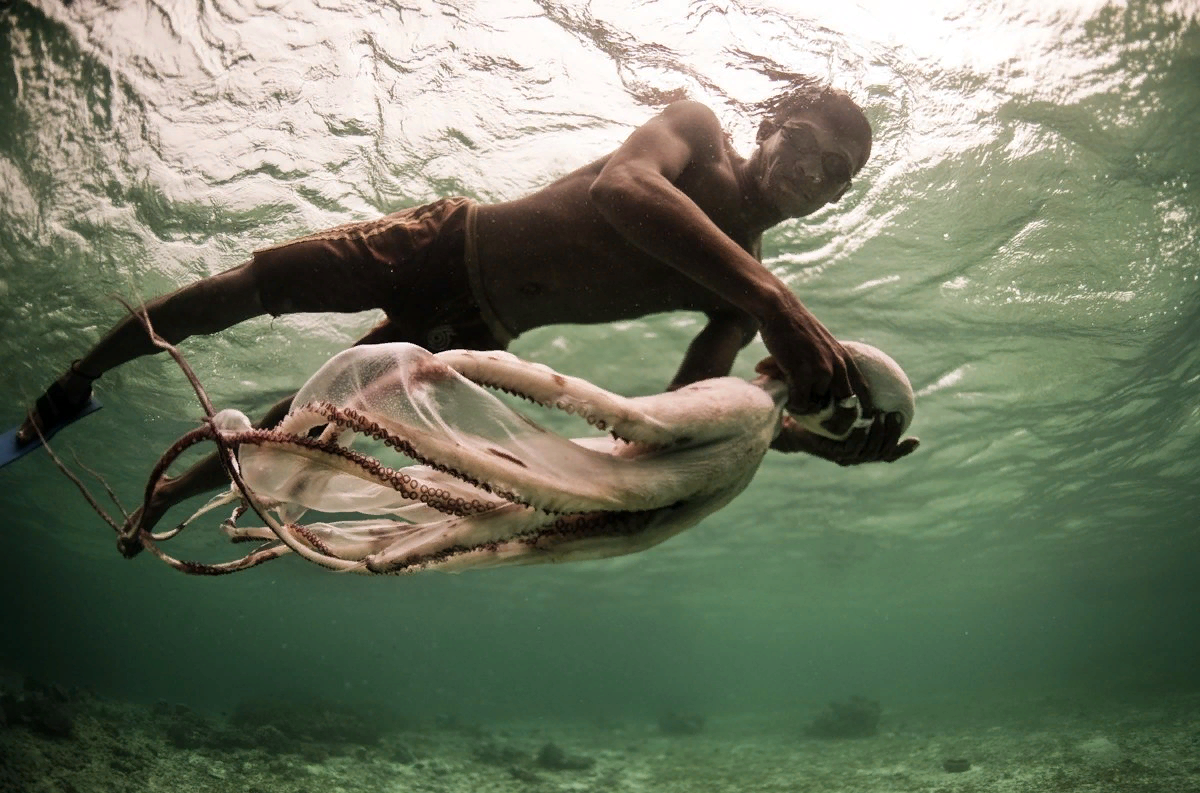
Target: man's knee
x=212, y=304
x=276, y=413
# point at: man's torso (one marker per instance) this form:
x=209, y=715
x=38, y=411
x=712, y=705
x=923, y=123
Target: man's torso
x=551, y=258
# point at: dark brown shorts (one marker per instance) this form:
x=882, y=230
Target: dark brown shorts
x=409, y=263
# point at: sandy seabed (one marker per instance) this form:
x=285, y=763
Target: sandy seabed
x=1041, y=744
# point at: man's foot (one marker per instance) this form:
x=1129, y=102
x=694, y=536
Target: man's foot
x=63, y=401
x=145, y=518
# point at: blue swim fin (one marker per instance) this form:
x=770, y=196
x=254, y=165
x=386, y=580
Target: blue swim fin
x=9, y=451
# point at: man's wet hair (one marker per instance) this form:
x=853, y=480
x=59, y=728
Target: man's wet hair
x=810, y=95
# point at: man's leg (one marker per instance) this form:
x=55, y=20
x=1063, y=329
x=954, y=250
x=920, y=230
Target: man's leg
x=398, y=262
x=207, y=306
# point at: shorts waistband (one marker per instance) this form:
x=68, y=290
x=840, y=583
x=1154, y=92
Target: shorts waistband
x=487, y=313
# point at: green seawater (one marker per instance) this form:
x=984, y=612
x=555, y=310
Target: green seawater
x=1025, y=241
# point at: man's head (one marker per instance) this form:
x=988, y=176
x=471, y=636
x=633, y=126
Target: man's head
x=814, y=140
x=809, y=99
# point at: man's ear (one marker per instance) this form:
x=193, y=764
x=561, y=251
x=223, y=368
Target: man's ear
x=765, y=130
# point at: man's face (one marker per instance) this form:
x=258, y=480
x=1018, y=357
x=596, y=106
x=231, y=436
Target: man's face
x=808, y=164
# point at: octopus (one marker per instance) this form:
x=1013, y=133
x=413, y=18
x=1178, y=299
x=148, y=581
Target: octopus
x=396, y=460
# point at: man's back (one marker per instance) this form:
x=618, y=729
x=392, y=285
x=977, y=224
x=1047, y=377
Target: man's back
x=552, y=257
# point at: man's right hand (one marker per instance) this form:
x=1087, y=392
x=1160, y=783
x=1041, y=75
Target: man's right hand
x=818, y=370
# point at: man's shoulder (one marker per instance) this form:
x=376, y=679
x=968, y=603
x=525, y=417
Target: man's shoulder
x=697, y=123
x=691, y=112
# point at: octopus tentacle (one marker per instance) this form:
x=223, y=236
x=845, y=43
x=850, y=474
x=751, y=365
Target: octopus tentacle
x=509, y=478
x=256, y=557
x=365, y=467
x=533, y=545
x=350, y=419
x=542, y=385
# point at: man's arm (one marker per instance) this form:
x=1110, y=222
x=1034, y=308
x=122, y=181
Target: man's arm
x=636, y=192
x=712, y=352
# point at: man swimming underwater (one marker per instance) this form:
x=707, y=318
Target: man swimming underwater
x=670, y=221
